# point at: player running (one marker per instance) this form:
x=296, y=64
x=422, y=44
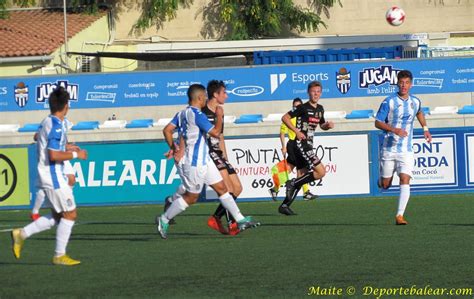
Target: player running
x=217, y=94
x=196, y=168
x=287, y=148
x=395, y=117
x=308, y=116
x=51, y=156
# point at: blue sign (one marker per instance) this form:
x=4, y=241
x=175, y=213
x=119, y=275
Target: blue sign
x=246, y=84
x=124, y=173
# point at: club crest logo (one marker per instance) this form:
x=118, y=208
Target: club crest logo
x=21, y=94
x=343, y=80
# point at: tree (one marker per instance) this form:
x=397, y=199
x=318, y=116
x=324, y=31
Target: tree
x=250, y=19
x=229, y=19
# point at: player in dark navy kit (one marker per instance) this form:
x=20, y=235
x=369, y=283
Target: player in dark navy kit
x=308, y=116
x=216, y=91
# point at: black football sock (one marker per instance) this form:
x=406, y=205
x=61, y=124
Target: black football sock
x=304, y=179
x=220, y=211
x=288, y=201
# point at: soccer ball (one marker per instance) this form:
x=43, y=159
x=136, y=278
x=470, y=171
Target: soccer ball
x=395, y=16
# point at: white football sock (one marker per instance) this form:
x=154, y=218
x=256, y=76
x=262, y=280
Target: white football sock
x=177, y=207
x=403, y=199
x=39, y=200
x=62, y=236
x=229, y=204
x=41, y=224
x=179, y=192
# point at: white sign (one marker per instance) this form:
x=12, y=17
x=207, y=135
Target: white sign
x=346, y=158
x=435, y=162
x=470, y=159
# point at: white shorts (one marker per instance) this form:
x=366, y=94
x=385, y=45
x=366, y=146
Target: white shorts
x=61, y=200
x=195, y=177
x=67, y=170
x=396, y=162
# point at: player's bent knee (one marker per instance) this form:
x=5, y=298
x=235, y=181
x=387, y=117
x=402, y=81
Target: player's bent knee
x=220, y=188
x=71, y=215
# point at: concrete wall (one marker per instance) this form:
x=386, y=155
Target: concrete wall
x=354, y=18
x=157, y=112
x=263, y=128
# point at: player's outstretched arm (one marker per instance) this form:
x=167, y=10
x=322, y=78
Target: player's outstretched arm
x=386, y=127
x=327, y=125
x=421, y=118
x=59, y=156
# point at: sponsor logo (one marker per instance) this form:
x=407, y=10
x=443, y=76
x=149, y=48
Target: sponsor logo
x=3, y=91
x=305, y=78
x=101, y=96
x=247, y=91
x=343, y=80
x=21, y=94
x=428, y=82
x=378, y=76
x=45, y=89
x=179, y=88
x=275, y=81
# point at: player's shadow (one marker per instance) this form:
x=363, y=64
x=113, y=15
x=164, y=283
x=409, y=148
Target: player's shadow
x=454, y=224
x=112, y=223
x=251, y=214
x=324, y=224
x=25, y=264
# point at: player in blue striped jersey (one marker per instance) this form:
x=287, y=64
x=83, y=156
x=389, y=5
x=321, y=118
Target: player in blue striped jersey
x=195, y=167
x=52, y=139
x=395, y=117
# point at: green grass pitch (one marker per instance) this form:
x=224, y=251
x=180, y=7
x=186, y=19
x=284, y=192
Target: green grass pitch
x=331, y=243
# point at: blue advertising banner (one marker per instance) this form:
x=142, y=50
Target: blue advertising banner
x=124, y=173
x=246, y=84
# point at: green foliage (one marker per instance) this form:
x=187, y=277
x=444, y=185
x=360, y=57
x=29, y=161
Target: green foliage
x=250, y=19
x=155, y=12
x=231, y=19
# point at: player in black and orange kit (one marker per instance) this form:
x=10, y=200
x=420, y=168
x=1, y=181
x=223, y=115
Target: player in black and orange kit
x=216, y=91
x=308, y=116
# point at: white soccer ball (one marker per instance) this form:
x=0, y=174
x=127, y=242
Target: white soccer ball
x=395, y=16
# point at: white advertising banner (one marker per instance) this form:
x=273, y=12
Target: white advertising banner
x=470, y=160
x=435, y=162
x=346, y=158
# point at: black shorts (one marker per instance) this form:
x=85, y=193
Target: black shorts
x=291, y=152
x=221, y=162
x=304, y=155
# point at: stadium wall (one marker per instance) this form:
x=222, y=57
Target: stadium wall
x=134, y=156
x=138, y=173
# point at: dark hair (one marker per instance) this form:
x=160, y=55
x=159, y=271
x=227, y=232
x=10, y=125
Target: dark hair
x=214, y=86
x=405, y=74
x=296, y=100
x=314, y=84
x=58, y=99
x=193, y=91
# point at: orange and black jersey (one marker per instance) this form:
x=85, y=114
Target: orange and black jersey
x=308, y=118
x=212, y=141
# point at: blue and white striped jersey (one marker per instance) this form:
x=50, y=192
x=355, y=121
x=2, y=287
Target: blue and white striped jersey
x=398, y=113
x=193, y=125
x=52, y=135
